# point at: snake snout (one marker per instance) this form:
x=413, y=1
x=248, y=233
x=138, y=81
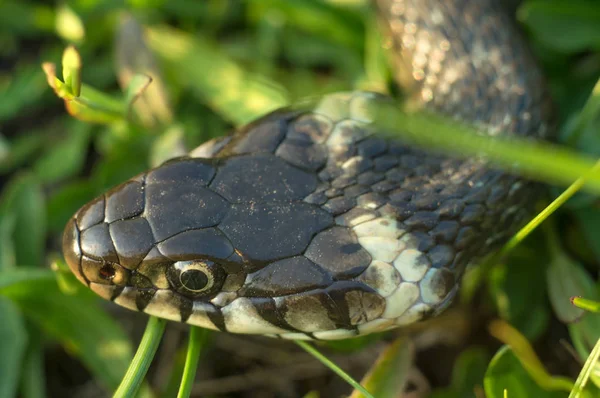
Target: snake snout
x=72, y=249
x=89, y=249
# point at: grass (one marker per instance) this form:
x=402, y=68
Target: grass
x=226, y=63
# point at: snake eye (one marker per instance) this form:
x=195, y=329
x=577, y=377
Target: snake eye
x=195, y=278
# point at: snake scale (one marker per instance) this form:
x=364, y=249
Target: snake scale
x=311, y=225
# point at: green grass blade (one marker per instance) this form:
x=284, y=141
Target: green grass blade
x=339, y=371
x=551, y=208
x=142, y=359
x=197, y=339
x=538, y=160
x=586, y=371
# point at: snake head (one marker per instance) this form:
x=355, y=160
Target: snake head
x=211, y=242
x=260, y=241
x=155, y=234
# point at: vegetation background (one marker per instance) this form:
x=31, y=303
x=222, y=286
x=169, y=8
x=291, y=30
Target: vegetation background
x=217, y=64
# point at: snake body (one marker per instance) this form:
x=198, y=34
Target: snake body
x=308, y=224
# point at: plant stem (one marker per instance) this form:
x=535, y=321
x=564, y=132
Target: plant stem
x=340, y=372
x=143, y=358
x=196, y=342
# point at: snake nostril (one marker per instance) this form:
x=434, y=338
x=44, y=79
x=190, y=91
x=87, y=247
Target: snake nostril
x=113, y=274
x=107, y=272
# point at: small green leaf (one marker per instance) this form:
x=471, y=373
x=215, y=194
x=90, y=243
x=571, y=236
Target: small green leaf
x=567, y=279
x=13, y=343
x=82, y=101
x=505, y=373
x=387, y=377
x=60, y=89
x=71, y=70
x=94, y=106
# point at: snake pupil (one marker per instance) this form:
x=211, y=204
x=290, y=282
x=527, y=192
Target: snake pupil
x=107, y=272
x=194, y=279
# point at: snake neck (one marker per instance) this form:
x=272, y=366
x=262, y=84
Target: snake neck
x=466, y=59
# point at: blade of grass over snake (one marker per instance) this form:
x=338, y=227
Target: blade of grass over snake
x=539, y=160
x=586, y=371
x=551, y=208
x=339, y=371
x=196, y=342
x=142, y=359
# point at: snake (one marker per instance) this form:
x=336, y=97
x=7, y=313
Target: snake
x=311, y=223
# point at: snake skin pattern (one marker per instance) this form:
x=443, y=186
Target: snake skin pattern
x=308, y=224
